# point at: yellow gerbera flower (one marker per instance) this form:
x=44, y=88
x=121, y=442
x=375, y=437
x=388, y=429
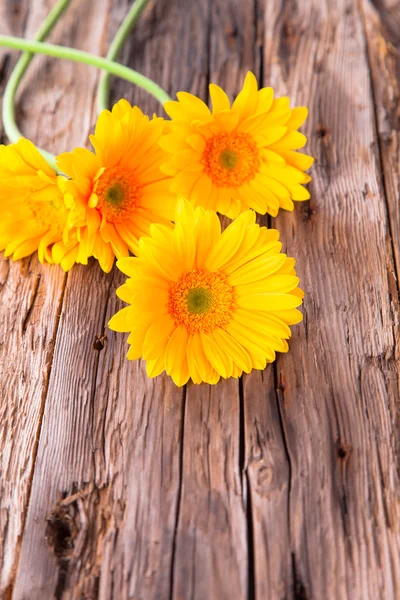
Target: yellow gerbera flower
x=206, y=304
x=32, y=210
x=238, y=157
x=118, y=191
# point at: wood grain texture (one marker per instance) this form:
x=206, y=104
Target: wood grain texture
x=382, y=25
x=337, y=390
x=286, y=484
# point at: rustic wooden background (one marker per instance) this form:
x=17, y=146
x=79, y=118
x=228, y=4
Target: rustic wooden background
x=286, y=484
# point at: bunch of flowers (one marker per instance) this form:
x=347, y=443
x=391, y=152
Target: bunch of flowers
x=202, y=303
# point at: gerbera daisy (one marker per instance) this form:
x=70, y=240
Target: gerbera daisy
x=205, y=304
x=237, y=157
x=118, y=191
x=32, y=210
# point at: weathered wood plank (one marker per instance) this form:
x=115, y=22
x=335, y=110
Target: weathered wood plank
x=337, y=390
x=382, y=22
x=30, y=300
x=30, y=294
x=120, y=444
x=30, y=297
x=268, y=479
x=67, y=442
x=211, y=554
x=210, y=559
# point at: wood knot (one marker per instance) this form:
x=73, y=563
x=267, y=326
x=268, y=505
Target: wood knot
x=344, y=450
x=61, y=532
x=232, y=34
x=265, y=474
x=288, y=30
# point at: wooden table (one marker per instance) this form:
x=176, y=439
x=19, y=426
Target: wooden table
x=286, y=484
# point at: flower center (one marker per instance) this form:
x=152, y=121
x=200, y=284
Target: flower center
x=118, y=193
x=228, y=159
x=115, y=194
x=201, y=301
x=231, y=159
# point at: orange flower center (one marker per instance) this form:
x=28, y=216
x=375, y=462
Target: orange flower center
x=118, y=193
x=231, y=159
x=201, y=301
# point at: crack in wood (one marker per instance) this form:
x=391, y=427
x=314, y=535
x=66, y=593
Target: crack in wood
x=246, y=494
x=179, y=497
x=299, y=591
x=297, y=585
x=241, y=432
x=251, y=572
x=32, y=301
x=343, y=453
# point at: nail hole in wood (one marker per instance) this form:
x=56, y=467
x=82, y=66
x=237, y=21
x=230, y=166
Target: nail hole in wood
x=322, y=131
x=99, y=342
x=344, y=450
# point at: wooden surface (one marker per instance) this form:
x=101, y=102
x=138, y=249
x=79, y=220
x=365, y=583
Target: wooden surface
x=284, y=486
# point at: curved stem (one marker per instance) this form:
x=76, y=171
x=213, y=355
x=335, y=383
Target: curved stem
x=134, y=13
x=9, y=121
x=86, y=58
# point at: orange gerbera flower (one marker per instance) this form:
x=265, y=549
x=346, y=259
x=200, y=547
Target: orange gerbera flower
x=240, y=156
x=33, y=215
x=207, y=304
x=118, y=191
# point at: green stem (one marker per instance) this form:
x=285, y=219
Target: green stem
x=103, y=91
x=86, y=58
x=111, y=67
x=9, y=121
